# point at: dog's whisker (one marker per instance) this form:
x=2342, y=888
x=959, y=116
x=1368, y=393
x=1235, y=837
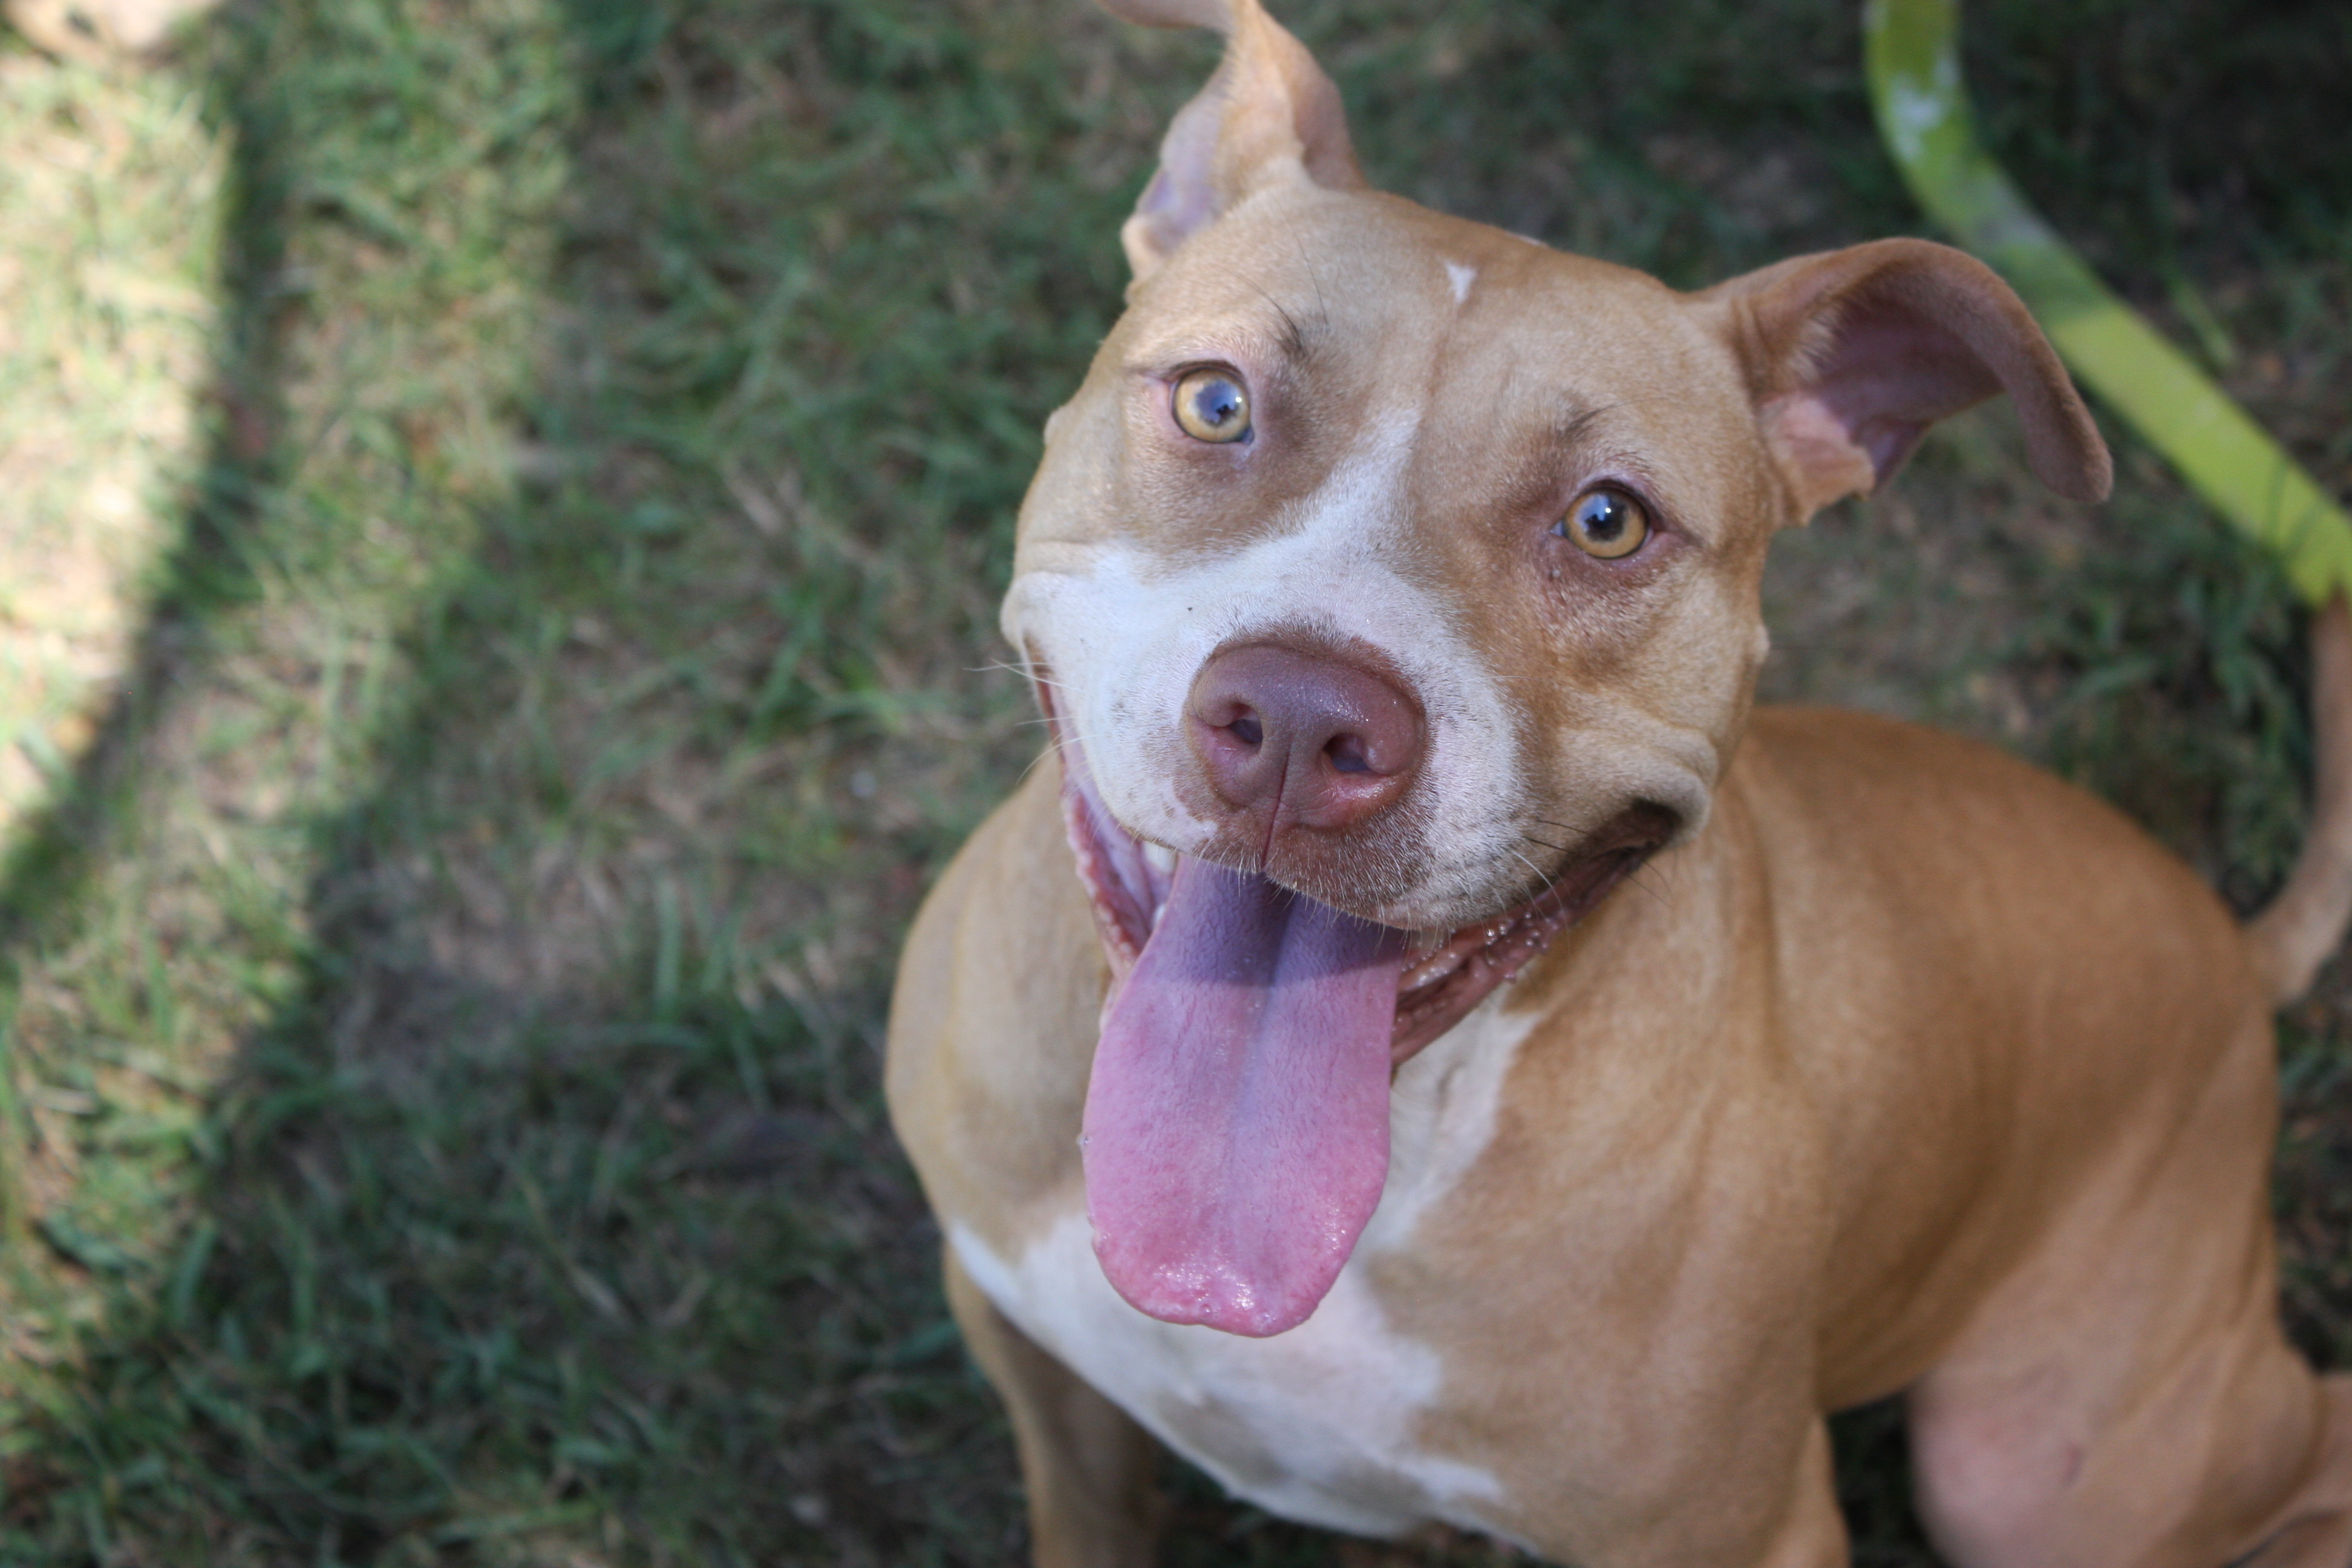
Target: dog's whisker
x=1313, y=278
x=1045, y=681
x=1542, y=877
x=1637, y=880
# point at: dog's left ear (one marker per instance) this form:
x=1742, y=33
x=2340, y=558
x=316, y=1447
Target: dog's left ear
x=1852, y=354
x=1268, y=114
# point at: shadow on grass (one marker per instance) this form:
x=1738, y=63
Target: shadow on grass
x=564, y=687
x=543, y=1201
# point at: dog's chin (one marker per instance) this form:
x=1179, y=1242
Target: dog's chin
x=1443, y=973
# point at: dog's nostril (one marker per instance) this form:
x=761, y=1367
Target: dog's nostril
x=1312, y=737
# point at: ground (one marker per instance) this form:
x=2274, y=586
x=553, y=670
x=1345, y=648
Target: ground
x=501, y=507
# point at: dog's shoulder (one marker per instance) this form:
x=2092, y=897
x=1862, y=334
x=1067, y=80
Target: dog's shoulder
x=1929, y=794
x=1897, y=836
x=992, y=1019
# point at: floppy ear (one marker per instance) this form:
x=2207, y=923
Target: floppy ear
x=1268, y=114
x=1852, y=354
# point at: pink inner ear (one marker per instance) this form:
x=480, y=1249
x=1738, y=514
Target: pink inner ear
x=1855, y=352
x=1817, y=452
x=1183, y=196
x=1881, y=374
x=1268, y=107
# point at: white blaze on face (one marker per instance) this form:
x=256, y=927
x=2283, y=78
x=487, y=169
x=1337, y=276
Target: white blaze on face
x=1124, y=632
x=1461, y=276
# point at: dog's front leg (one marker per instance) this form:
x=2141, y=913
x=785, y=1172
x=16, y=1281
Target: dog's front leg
x=1090, y=1472
x=1743, y=1506
x=1813, y=1532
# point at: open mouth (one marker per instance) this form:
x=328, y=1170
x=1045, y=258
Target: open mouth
x=1440, y=976
x=1236, y=1139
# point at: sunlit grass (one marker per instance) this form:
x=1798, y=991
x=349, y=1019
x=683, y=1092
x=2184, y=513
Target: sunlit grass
x=111, y=205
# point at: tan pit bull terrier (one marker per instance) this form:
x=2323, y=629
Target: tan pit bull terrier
x=1391, y=585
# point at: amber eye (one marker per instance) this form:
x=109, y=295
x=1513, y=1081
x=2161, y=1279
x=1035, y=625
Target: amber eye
x=1605, y=523
x=1212, y=406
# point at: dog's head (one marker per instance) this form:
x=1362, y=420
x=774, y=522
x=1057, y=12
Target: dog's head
x=1392, y=582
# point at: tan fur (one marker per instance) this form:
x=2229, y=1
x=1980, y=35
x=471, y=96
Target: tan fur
x=1917, y=1070
x=2302, y=926
x=1906, y=1068
x=1094, y=1497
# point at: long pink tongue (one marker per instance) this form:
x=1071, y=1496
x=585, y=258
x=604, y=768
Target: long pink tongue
x=1236, y=1129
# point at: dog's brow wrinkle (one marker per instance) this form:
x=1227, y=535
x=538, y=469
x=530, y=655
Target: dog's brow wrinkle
x=1573, y=425
x=1294, y=336
x=1294, y=344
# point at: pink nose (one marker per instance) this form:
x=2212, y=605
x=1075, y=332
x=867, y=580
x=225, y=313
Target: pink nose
x=1322, y=742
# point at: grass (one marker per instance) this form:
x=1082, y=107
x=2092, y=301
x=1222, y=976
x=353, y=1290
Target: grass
x=443, y=987
x=104, y=311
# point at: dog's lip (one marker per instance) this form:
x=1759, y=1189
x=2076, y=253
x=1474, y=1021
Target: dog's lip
x=1436, y=988
x=1437, y=982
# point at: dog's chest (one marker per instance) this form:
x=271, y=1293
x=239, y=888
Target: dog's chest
x=1321, y=1424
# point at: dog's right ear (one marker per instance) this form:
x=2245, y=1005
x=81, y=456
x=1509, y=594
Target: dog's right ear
x=1852, y=354
x=1269, y=114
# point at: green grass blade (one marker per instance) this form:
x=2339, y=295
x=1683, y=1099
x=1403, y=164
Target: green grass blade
x=1911, y=58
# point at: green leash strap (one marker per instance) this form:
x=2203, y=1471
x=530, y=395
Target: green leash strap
x=1911, y=52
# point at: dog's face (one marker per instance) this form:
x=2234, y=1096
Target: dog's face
x=1524, y=492
x=1391, y=585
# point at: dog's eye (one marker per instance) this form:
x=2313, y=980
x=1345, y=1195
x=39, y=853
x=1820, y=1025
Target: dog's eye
x=1605, y=523
x=1212, y=405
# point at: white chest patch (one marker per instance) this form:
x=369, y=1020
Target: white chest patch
x=1321, y=1424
